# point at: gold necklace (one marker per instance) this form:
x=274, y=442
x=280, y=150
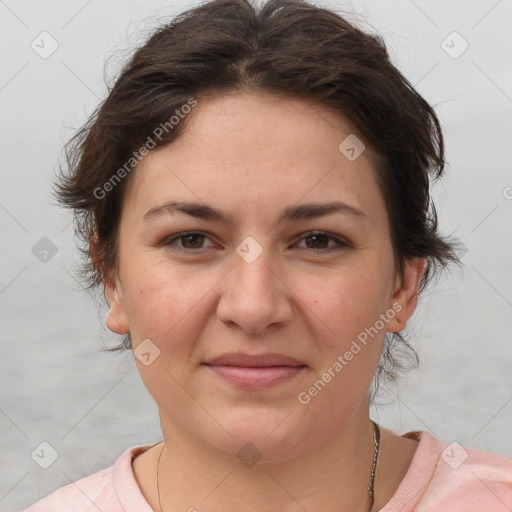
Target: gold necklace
x=371, y=480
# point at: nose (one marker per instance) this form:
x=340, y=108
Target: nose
x=255, y=295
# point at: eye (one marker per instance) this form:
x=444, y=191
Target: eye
x=189, y=241
x=319, y=239
x=194, y=240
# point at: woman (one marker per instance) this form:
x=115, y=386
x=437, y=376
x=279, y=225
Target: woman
x=254, y=199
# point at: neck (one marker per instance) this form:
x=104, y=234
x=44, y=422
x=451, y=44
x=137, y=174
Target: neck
x=194, y=476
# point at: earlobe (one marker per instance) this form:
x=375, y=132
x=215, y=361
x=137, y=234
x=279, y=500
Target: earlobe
x=116, y=319
x=405, y=296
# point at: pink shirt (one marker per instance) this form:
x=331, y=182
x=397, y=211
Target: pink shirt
x=441, y=478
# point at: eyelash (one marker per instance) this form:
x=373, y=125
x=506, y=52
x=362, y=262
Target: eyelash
x=169, y=242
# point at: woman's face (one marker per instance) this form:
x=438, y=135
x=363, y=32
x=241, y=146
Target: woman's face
x=258, y=282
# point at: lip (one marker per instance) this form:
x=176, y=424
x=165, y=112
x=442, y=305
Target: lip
x=255, y=371
x=254, y=360
x=262, y=377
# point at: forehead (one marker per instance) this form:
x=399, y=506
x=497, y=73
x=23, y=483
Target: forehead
x=255, y=148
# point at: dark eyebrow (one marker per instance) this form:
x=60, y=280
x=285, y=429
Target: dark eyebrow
x=292, y=213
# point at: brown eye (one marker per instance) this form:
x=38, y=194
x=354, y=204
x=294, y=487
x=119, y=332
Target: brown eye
x=320, y=241
x=186, y=242
x=317, y=241
x=192, y=241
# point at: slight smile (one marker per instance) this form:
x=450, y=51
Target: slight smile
x=255, y=371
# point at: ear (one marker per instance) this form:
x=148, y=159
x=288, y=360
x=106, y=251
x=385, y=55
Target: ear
x=116, y=318
x=405, y=296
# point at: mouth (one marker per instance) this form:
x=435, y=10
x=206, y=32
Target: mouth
x=261, y=377
x=255, y=371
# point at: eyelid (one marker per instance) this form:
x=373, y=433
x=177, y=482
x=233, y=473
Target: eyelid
x=173, y=238
x=341, y=242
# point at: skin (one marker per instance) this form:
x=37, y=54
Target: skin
x=251, y=155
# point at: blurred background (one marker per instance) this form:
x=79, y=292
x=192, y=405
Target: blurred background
x=56, y=384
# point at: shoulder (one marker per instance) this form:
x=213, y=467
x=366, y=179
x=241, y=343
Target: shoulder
x=461, y=479
x=103, y=490
x=84, y=495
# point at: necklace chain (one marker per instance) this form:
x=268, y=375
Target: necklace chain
x=371, y=480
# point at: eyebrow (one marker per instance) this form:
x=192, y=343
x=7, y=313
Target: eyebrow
x=292, y=213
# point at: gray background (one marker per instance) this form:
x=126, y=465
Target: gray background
x=56, y=384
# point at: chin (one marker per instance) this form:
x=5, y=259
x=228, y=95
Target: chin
x=262, y=437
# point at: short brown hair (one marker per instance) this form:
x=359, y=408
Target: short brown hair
x=285, y=47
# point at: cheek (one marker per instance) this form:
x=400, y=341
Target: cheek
x=164, y=303
x=349, y=301
x=348, y=334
